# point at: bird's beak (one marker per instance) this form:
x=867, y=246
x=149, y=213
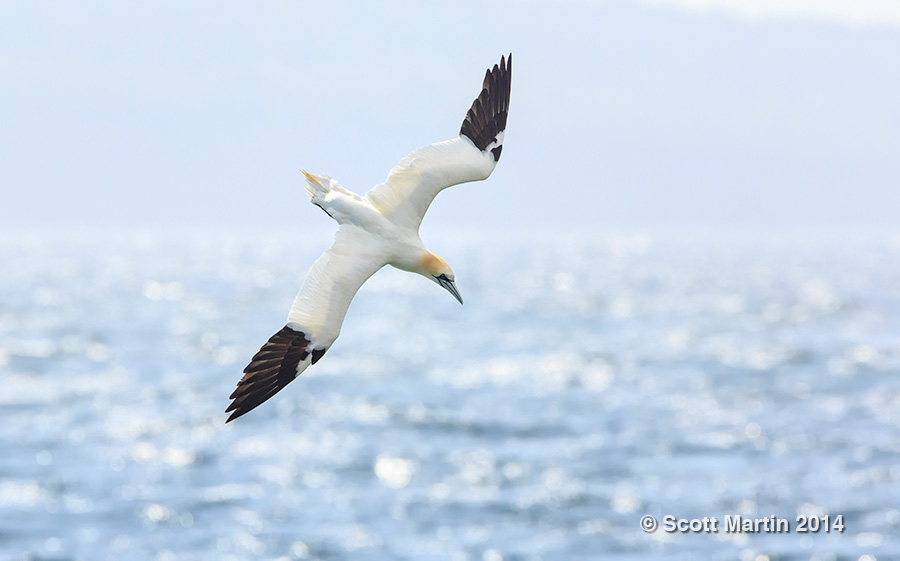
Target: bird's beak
x=451, y=288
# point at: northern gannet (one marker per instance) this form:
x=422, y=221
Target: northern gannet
x=379, y=229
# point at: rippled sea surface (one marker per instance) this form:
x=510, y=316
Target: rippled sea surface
x=588, y=381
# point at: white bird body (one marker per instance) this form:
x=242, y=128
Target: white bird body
x=379, y=229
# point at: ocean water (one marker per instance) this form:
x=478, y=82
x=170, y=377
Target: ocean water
x=588, y=381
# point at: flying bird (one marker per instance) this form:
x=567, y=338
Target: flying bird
x=381, y=228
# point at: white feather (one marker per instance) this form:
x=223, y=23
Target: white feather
x=413, y=183
x=331, y=284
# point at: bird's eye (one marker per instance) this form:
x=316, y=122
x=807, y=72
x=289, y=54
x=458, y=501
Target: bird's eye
x=442, y=277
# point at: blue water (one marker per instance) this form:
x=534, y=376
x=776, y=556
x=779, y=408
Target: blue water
x=588, y=380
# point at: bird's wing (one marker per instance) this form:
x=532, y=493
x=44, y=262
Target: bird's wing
x=313, y=323
x=414, y=182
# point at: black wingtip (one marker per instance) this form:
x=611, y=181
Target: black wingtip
x=487, y=117
x=272, y=368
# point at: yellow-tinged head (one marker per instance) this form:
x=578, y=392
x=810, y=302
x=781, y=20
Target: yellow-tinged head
x=440, y=272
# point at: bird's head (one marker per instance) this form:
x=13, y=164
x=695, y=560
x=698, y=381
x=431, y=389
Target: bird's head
x=440, y=272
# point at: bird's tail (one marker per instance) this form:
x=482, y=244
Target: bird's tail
x=318, y=186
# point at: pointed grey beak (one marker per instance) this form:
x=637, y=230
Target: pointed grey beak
x=451, y=288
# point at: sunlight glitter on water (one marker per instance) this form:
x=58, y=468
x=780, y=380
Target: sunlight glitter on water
x=619, y=377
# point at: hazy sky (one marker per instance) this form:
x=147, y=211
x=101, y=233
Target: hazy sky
x=623, y=113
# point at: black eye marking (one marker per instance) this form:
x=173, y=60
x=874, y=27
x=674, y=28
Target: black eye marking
x=442, y=277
